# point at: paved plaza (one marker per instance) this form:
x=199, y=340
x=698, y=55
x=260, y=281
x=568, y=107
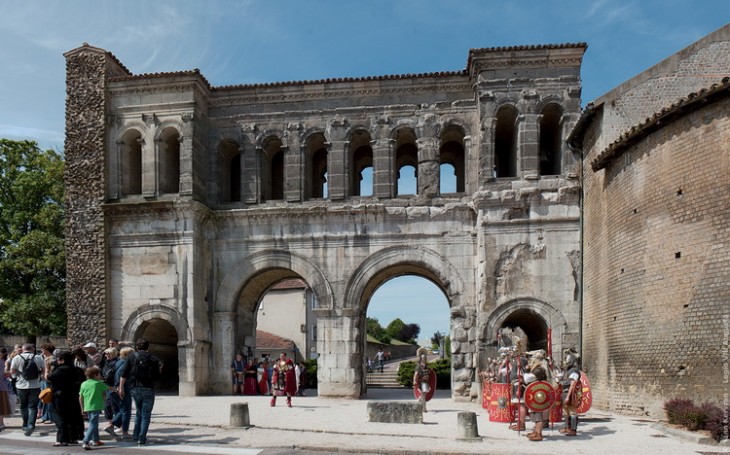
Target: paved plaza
x=333, y=425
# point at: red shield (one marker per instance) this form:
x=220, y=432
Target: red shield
x=500, y=409
x=539, y=396
x=587, y=398
x=432, y=387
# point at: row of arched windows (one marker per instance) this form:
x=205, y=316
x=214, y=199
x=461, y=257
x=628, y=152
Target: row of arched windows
x=398, y=173
x=167, y=168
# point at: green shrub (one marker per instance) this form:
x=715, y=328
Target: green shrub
x=311, y=367
x=442, y=368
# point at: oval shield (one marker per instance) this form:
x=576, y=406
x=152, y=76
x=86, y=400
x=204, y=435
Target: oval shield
x=432, y=387
x=587, y=398
x=539, y=396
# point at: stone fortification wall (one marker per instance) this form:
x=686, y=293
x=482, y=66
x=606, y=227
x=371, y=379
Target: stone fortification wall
x=87, y=70
x=656, y=243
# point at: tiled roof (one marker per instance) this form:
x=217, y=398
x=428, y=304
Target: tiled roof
x=688, y=104
x=194, y=72
x=463, y=72
x=269, y=341
x=528, y=47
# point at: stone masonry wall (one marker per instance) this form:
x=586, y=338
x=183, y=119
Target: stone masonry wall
x=656, y=261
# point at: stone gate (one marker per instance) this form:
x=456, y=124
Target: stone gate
x=187, y=201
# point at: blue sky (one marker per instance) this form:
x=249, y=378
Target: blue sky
x=236, y=42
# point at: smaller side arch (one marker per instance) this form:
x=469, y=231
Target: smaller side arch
x=552, y=317
x=150, y=312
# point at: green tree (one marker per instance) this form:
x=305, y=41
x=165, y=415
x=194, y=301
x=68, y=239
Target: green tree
x=375, y=330
x=399, y=330
x=32, y=255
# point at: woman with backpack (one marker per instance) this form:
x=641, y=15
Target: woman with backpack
x=108, y=373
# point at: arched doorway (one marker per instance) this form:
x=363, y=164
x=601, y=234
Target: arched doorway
x=163, y=340
x=403, y=314
x=533, y=326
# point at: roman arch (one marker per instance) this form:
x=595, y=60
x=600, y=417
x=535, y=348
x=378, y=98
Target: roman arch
x=187, y=201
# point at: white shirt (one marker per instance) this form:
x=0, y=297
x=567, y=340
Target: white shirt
x=17, y=365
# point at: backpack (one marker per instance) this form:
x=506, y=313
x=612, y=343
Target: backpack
x=109, y=372
x=30, y=368
x=146, y=368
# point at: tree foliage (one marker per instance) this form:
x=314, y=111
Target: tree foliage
x=396, y=330
x=375, y=330
x=401, y=331
x=32, y=255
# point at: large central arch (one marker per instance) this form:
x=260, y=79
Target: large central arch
x=397, y=261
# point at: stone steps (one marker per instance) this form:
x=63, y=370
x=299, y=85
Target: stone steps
x=384, y=380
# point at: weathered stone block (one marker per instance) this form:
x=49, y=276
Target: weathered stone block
x=395, y=411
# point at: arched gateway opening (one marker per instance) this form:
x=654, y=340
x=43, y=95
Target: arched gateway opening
x=422, y=262
x=403, y=315
x=163, y=340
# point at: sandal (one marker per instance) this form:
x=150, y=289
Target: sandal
x=535, y=437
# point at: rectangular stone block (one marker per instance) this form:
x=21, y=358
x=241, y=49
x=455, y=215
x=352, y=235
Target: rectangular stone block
x=395, y=411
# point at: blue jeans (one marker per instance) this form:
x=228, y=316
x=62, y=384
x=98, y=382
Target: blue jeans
x=124, y=415
x=92, y=432
x=144, y=401
x=28, y=406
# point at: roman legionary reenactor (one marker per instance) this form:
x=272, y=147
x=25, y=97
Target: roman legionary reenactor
x=283, y=380
x=572, y=391
x=424, y=382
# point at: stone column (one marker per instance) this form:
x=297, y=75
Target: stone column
x=185, y=183
x=338, y=160
x=223, y=338
x=486, y=153
x=384, y=181
x=294, y=160
x=115, y=171
x=528, y=146
x=428, y=167
x=339, y=366
x=250, y=166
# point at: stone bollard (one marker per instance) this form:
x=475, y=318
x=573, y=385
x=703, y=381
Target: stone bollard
x=239, y=415
x=467, y=430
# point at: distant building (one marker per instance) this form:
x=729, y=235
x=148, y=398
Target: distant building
x=286, y=311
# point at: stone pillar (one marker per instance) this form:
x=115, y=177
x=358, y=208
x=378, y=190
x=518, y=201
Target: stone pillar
x=429, y=175
x=485, y=151
x=294, y=160
x=250, y=167
x=115, y=171
x=528, y=146
x=384, y=181
x=338, y=160
x=87, y=69
x=150, y=161
x=185, y=184
x=339, y=369
x=338, y=176
x=223, y=339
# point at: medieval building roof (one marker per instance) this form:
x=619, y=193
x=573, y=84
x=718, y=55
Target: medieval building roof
x=463, y=72
x=664, y=117
x=269, y=341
